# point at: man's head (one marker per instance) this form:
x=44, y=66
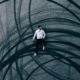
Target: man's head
x=40, y=27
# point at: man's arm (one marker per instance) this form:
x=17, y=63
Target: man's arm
x=34, y=36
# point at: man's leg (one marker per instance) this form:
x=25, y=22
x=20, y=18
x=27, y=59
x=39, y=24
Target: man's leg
x=37, y=44
x=44, y=43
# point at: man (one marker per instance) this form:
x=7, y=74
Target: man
x=40, y=35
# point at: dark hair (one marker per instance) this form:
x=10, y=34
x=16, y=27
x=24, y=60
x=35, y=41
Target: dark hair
x=39, y=26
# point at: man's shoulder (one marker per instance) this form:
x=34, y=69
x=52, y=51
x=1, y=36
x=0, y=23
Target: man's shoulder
x=36, y=30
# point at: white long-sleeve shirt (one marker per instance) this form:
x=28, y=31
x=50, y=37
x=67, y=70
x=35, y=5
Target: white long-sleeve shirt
x=40, y=34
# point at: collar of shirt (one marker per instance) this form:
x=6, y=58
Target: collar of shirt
x=39, y=30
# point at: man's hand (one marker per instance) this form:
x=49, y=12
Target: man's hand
x=32, y=39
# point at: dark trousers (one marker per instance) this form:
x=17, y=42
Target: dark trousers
x=39, y=42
